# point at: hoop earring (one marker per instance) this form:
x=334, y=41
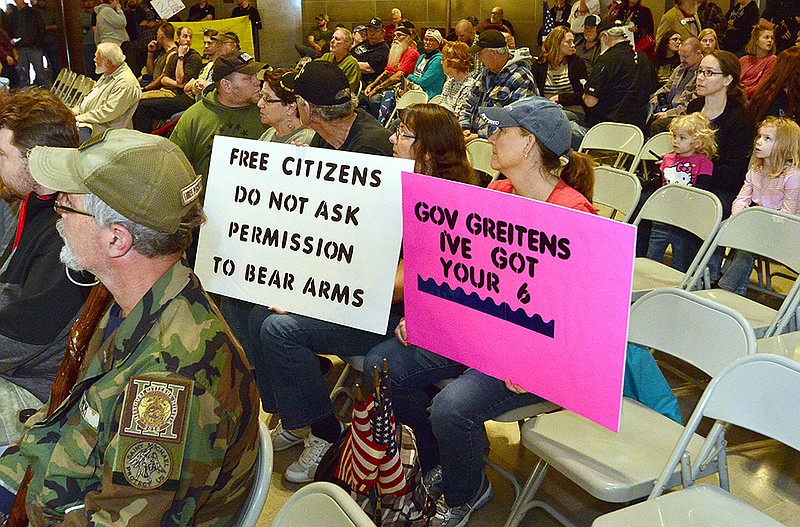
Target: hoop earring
x=80, y=284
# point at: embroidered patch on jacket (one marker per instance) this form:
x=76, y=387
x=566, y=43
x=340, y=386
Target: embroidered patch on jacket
x=152, y=432
x=147, y=465
x=155, y=409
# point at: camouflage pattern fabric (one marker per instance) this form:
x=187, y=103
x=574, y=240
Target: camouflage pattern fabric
x=160, y=429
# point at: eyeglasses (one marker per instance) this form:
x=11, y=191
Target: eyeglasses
x=708, y=73
x=64, y=209
x=399, y=133
x=264, y=96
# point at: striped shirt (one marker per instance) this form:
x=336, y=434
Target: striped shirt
x=557, y=81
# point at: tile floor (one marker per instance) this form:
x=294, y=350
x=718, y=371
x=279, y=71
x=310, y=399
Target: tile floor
x=767, y=477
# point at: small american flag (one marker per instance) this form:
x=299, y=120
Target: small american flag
x=360, y=455
x=391, y=476
x=548, y=23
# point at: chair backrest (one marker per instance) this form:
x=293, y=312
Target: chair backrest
x=436, y=99
x=695, y=210
x=64, y=90
x=59, y=80
x=654, y=149
x=479, y=153
x=321, y=503
x=258, y=494
x=705, y=334
x=760, y=393
x=74, y=91
x=766, y=232
x=626, y=139
x=617, y=189
x=411, y=97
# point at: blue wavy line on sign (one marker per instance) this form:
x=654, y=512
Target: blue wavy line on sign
x=488, y=306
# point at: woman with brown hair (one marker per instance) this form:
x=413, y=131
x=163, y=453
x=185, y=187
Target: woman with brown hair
x=457, y=65
x=760, y=59
x=779, y=94
x=667, y=58
x=557, y=71
x=431, y=136
x=279, y=110
x=719, y=98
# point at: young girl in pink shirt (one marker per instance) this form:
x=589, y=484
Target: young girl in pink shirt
x=773, y=181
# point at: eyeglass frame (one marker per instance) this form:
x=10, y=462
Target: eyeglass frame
x=398, y=134
x=708, y=73
x=59, y=208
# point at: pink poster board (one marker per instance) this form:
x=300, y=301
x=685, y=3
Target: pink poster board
x=520, y=289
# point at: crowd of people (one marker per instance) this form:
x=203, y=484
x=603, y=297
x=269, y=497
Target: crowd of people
x=119, y=207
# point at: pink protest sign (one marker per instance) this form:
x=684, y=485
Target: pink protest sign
x=520, y=289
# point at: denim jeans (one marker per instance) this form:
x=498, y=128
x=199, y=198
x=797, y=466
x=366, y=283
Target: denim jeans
x=736, y=274
x=453, y=423
x=28, y=57
x=684, y=245
x=287, y=371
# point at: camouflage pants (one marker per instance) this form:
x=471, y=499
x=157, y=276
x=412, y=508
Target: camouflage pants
x=14, y=399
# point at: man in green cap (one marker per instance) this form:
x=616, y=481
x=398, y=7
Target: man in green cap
x=161, y=427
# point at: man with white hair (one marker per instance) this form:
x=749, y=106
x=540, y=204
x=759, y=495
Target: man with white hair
x=113, y=100
x=620, y=87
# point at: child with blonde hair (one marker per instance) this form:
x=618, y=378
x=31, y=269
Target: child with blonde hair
x=693, y=146
x=772, y=181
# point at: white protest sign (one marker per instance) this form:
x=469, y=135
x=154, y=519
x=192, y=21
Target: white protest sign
x=167, y=8
x=310, y=230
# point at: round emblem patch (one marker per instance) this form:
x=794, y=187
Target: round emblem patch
x=147, y=465
x=154, y=409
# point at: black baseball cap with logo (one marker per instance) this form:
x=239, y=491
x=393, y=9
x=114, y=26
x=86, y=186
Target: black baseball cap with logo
x=490, y=38
x=320, y=82
x=236, y=62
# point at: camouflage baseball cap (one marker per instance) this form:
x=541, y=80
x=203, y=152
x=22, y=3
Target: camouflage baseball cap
x=144, y=177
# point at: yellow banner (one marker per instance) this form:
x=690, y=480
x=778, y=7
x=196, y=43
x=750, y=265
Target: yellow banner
x=239, y=25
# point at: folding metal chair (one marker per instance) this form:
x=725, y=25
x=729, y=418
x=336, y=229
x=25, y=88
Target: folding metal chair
x=321, y=503
x=691, y=209
x=409, y=98
x=258, y=494
x=617, y=190
x=479, y=154
x=622, y=139
x=653, y=150
x=621, y=467
x=760, y=393
x=769, y=233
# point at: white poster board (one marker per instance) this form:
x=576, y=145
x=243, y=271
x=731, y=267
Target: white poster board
x=167, y=8
x=309, y=230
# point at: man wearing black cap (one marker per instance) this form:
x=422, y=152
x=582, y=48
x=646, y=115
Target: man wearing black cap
x=287, y=372
x=506, y=77
x=620, y=87
x=372, y=54
x=589, y=49
x=229, y=109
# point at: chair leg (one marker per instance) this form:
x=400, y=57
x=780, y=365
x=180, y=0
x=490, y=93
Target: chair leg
x=506, y=474
x=524, y=501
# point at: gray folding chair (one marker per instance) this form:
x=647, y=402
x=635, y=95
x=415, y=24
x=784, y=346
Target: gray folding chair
x=621, y=467
x=769, y=233
x=653, y=150
x=760, y=393
x=258, y=494
x=479, y=154
x=321, y=503
x=692, y=209
x=623, y=140
x=616, y=190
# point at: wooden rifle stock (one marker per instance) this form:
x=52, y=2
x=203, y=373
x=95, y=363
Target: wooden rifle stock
x=79, y=338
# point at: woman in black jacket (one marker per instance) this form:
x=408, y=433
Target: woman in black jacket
x=557, y=72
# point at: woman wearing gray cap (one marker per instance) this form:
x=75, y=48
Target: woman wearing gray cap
x=533, y=134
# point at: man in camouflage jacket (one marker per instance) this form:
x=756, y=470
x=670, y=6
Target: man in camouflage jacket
x=161, y=427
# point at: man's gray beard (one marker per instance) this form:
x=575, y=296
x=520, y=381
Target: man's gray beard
x=66, y=256
x=396, y=53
